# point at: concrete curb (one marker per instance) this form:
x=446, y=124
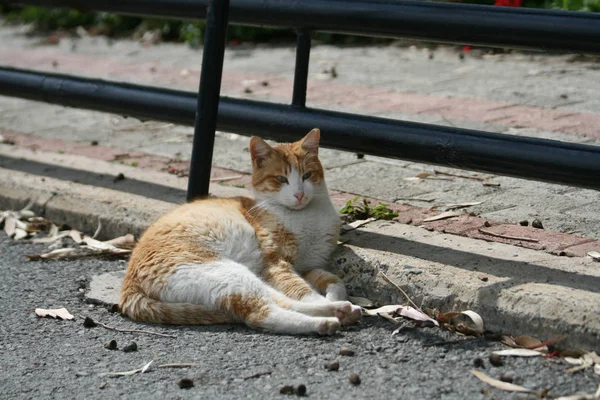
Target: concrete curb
x=526, y=291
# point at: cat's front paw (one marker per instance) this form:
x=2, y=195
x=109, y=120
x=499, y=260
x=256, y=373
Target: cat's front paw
x=328, y=326
x=347, y=312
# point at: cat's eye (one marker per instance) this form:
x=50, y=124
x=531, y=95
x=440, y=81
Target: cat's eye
x=281, y=179
x=306, y=176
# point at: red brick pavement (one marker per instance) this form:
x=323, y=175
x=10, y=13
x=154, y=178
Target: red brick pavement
x=465, y=225
x=322, y=93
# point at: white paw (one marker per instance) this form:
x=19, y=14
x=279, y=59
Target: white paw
x=328, y=326
x=347, y=313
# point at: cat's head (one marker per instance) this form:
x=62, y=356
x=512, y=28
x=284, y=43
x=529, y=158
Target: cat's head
x=289, y=174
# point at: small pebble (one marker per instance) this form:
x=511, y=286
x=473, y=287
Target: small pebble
x=354, y=379
x=300, y=390
x=344, y=351
x=89, y=323
x=487, y=224
x=506, y=378
x=483, y=277
x=130, y=347
x=287, y=389
x=102, y=385
x=478, y=363
x=524, y=223
x=496, y=360
x=94, y=143
x=537, y=224
x=119, y=177
x=332, y=365
x=111, y=345
x=185, y=383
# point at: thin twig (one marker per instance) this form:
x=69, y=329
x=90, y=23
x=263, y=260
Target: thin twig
x=445, y=342
x=388, y=280
x=258, y=374
x=524, y=239
x=414, y=199
x=226, y=178
x=132, y=330
x=182, y=365
x=475, y=178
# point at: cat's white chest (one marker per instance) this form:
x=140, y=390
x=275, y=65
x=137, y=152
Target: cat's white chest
x=316, y=229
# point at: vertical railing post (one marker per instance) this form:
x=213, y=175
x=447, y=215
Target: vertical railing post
x=303, y=38
x=208, y=98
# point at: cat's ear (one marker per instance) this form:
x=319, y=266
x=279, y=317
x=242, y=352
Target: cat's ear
x=310, y=142
x=259, y=150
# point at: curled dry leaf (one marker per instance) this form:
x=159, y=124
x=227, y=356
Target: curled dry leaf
x=20, y=234
x=384, y=309
x=404, y=311
x=528, y=342
x=10, y=225
x=471, y=320
x=444, y=215
x=518, y=353
x=587, y=360
x=509, y=387
x=59, y=313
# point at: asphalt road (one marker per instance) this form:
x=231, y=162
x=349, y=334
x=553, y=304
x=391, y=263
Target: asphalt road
x=47, y=358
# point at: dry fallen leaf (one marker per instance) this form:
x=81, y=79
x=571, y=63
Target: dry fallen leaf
x=509, y=387
x=356, y=224
x=587, y=360
x=595, y=255
x=71, y=253
x=123, y=242
x=518, y=353
x=404, y=311
x=384, y=309
x=531, y=343
x=473, y=320
x=9, y=225
x=20, y=234
x=444, y=215
x=60, y=313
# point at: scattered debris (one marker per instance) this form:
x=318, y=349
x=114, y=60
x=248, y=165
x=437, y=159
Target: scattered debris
x=474, y=178
x=509, y=387
x=518, y=353
x=356, y=224
x=496, y=360
x=354, y=379
x=344, y=351
x=127, y=373
x=178, y=365
x=90, y=323
x=300, y=390
x=451, y=207
x=130, y=347
x=185, y=383
x=258, y=374
x=388, y=280
x=332, y=365
x=111, y=345
x=444, y=215
x=588, y=360
x=537, y=224
x=59, y=313
x=595, y=255
x=523, y=239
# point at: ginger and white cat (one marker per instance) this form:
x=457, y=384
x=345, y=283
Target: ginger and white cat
x=258, y=261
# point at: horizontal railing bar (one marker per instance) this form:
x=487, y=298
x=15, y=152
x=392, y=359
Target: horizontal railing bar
x=523, y=157
x=445, y=22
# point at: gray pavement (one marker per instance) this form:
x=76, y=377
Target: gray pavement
x=46, y=358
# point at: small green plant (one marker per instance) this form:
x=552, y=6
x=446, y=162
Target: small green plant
x=356, y=209
x=134, y=164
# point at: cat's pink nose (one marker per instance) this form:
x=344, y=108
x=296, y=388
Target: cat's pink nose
x=299, y=195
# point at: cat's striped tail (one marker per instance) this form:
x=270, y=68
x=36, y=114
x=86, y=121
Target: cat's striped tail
x=139, y=307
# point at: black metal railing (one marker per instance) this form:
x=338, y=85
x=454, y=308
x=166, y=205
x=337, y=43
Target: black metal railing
x=540, y=159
